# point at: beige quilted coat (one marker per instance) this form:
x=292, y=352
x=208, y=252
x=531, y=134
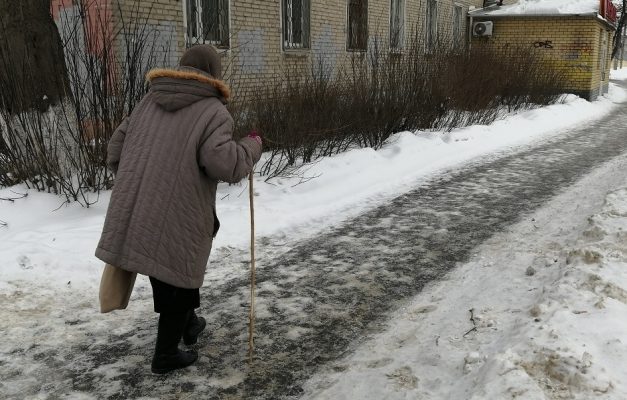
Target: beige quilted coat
x=169, y=155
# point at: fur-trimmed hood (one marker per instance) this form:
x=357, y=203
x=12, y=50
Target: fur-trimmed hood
x=174, y=89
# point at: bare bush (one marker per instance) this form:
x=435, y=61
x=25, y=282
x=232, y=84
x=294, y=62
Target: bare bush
x=303, y=116
x=63, y=149
x=379, y=93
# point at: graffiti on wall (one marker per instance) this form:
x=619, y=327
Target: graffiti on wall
x=577, y=50
x=572, y=51
x=582, y=67
x=577, y=55
x=547, y=44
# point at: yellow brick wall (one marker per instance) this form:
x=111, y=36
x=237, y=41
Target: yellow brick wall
x=572, y=45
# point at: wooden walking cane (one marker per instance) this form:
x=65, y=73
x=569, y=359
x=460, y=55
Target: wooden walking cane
x=251, y=315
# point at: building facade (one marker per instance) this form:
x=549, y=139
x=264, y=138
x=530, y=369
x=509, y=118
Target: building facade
x=577, y=44
x=261, y=39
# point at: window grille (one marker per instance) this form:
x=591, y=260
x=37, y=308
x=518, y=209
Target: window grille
x=458, y=25
x=397, y=24
x=296, y=24
x=432, y=25
x=357, y=24
x=208, y=22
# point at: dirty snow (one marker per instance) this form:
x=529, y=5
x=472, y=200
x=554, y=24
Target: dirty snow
x=548, y=300
x=47, y=247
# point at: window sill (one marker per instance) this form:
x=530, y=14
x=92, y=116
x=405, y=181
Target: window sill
x=218, y=46
x=296, y=52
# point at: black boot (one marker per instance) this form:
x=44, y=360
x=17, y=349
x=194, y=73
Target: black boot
x=167, y=356
x=194, y=326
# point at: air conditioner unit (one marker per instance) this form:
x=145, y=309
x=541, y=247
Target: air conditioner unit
x=483, y=28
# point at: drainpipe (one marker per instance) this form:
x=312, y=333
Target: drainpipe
x=622, y=49
x=470, y=33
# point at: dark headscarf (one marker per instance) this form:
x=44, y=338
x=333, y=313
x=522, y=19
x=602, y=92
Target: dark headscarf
x=205, y=58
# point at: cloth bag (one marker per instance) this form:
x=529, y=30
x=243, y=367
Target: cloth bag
x=116, y=287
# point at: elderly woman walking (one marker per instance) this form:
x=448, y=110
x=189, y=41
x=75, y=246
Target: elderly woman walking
x=168, y=157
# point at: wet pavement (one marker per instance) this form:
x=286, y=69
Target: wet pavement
x=320, y=298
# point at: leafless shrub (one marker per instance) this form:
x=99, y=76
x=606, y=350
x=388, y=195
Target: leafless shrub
x=63, y=149
x=303, y=116
x=378, y=93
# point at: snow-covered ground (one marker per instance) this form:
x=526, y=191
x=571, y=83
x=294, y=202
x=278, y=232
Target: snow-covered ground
x=51, y=243
x=619, y=74
x=548, y=299
x=46, y=248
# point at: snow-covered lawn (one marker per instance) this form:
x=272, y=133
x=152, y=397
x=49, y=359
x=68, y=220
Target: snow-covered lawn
x=46, y=247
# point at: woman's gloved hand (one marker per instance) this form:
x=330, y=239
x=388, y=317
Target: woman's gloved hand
x=255, y=135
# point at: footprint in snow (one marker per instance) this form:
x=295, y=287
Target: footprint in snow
x=24, y=262
x=403, y=378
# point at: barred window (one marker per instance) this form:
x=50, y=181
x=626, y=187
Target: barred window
x=431, y=30
x=208, y=22
x=296, y=24
x=357, y=25
x=397, y=24
x=458, y=26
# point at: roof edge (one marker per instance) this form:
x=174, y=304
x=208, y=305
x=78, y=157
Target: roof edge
x=483, y=13
x=593, y=14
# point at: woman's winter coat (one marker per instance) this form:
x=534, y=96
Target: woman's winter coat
x=168, y=157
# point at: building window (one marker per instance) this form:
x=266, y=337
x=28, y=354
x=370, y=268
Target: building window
x=397, y=24
x=458, y=26
x=357, y=25
x=295, y=24
x=207, y=22
x=431, y=30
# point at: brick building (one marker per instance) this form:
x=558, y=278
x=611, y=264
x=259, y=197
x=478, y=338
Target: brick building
x=575, y=41
x=260, y=39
